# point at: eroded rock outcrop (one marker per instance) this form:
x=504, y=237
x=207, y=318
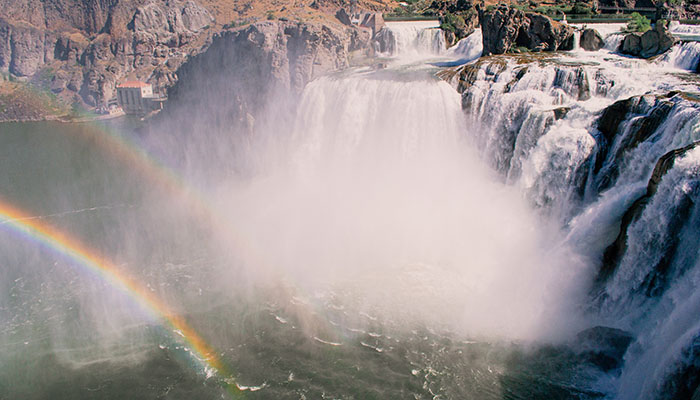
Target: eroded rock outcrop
x=85, y=49
x=506, y=28
x=233, y=78
x=653, y=42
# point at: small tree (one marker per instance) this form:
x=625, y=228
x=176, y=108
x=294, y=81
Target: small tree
x=638, y=23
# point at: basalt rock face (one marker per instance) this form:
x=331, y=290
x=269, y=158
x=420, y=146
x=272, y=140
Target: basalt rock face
x=505, y=29
x=649, y=44
x=80, y=50
x=233, y=79
x=23, y=49
x=626, y=125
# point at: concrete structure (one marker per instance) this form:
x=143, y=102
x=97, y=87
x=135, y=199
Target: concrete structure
x=137, y=98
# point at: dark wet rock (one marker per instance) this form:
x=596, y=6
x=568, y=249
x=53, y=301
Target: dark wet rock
x=603, y=83
x=652, y=112
x=683, y=382
x=653, y=42
x=506, y=28
x=632, y=44
x=613, y=253
x=613, y=115
x=591, y=40
x=575, y=80
x=603, y=347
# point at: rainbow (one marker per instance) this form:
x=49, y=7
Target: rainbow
x=31, y=227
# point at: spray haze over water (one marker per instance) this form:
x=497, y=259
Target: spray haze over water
x=380, y=189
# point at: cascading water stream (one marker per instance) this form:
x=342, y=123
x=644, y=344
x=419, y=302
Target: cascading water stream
x=605, y=144
x=684, y=56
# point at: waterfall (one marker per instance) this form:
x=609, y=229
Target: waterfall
x=684, y=56
x=684, y=31
x=379, y=181
x=613, y=41
x=468, y=49
x=577, y=40
x=611, y=151
x=416, y=38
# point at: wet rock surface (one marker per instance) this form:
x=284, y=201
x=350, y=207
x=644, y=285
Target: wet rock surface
x=505, y=29
x=603, y=347
x=649, y=44
x=591, y=40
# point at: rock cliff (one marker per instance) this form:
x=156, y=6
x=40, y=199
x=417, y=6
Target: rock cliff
x=506, y=28
x=233, y=79
x=80, y=49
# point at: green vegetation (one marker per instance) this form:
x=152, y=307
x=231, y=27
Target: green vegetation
x=554, y=11
x=638, y=23
x=453, y=23
x=413, y=8
x=581, y=8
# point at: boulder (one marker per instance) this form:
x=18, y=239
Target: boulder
x=653, y=42
x=546, y=34
x=506, y=28
x=591, y=40
x=656, y=41
x=632, y=44
x=461, y=25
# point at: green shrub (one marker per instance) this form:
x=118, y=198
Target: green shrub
x=453, y=23
x=638, y=23
x=581, y=8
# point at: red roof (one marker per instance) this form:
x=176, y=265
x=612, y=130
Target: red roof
x=133, y=84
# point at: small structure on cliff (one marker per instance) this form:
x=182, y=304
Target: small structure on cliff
x=370, y=20
x=137, y=97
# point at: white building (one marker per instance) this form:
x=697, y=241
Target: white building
x=136, y=97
